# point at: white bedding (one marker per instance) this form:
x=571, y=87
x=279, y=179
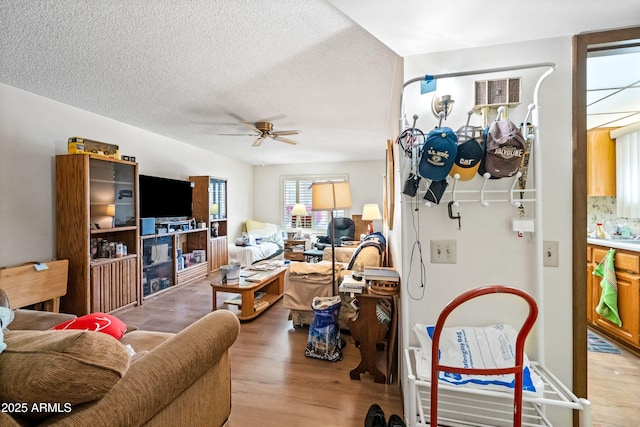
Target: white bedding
x=247, y=255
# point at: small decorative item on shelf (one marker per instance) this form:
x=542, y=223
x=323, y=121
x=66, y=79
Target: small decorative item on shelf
x=79, y=145
x=214, y=229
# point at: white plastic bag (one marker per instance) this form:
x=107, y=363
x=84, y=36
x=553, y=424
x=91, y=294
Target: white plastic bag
x=475, y=347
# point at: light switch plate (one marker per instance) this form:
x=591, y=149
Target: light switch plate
x=443, y=251
x=550, y=253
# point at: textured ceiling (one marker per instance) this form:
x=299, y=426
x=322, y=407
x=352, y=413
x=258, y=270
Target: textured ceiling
x=192, y=70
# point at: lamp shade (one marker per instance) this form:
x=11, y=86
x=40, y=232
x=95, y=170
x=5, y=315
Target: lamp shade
x=111, y=210
x=329, y=196
x=299, y=210
x=371, y=212
x=213, y=210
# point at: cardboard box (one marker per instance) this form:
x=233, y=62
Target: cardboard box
x=78, y=145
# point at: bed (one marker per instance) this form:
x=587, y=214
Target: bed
x=456, y=399
x=260, y=241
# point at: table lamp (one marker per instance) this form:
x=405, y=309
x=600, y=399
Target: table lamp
x=371, y=212
x=111, y=211
x=331, y=196
x=213, y=210
x=298, y=210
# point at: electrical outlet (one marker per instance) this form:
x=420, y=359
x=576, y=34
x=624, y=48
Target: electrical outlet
x=550, y=254
x=443, y=251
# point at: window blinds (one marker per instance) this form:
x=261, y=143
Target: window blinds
x=627, y=170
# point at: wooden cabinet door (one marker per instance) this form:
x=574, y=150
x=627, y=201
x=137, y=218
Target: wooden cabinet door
x=593, y=287
x=113, y=284
x=628, y=308
x=219, y=252
x=601, y=163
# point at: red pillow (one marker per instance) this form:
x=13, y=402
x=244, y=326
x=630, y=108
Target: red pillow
x=97, y=322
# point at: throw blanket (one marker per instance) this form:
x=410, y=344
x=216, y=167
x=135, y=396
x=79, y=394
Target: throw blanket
x=248, y=255
x=608, y=305
x=319, y=272
x=376, y=240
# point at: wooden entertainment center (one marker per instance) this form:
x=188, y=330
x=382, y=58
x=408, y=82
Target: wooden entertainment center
x=111, y=265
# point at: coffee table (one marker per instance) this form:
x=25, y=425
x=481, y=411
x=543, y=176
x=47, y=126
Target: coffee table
x=270, y=282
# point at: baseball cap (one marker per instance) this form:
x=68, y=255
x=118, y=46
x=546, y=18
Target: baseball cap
x=469, y=157
x=505, y=148
x=438, y=154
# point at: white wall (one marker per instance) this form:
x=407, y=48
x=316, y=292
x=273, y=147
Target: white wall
x=488, y=252
x=33, y=129
x=365, y=178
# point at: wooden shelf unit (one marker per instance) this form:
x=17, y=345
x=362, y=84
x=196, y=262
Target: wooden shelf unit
x=86, y=185
x=206, y=190
x=159, y=266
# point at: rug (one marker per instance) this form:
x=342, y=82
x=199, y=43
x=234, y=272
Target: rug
x=597, y=344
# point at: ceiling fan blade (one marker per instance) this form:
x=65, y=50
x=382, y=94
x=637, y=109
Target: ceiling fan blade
x=252, y=127
x=257, y=142
x=287, y=140
x=272, y=118
x=286, y=132
x=238, y=134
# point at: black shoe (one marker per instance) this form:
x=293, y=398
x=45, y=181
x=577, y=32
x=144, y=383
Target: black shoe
x=375, y=417
x=396, y=421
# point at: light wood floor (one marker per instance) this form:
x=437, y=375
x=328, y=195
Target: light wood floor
x=275, y=385
x=613, y=387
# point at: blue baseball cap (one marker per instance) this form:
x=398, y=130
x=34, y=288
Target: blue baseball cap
x=438, y=154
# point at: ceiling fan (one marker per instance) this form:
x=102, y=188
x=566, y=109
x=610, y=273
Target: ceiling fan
x=265, y=130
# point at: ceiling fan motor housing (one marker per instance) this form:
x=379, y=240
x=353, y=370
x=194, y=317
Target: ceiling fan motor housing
x=264, y=127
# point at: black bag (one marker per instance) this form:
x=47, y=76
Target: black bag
x=435, y=191
x=411, y=185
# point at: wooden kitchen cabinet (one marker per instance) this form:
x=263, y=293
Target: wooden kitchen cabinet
x=601, y=163
x=627, y=266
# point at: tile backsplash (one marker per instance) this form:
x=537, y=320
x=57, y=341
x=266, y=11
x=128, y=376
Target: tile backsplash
x=603, y=208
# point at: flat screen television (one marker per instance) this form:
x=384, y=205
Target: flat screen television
x=165, y=197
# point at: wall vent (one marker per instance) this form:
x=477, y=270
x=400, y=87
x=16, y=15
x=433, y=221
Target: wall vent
x=493, y=93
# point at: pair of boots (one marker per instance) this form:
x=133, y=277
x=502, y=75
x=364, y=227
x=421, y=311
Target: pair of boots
x=375, y=418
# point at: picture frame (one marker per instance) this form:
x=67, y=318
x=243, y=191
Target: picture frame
x=389, y=188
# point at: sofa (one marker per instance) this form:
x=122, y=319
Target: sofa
x=172, y=379
x=304, y=281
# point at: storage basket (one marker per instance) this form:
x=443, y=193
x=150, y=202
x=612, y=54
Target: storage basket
x=381, y=287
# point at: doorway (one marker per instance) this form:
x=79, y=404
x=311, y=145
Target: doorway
x=581, y=46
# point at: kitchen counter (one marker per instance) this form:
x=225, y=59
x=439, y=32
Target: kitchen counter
x=616, y=243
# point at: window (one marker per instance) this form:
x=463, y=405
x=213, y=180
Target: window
x=297, y=189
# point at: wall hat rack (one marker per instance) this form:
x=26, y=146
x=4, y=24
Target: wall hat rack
x=555, y=394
